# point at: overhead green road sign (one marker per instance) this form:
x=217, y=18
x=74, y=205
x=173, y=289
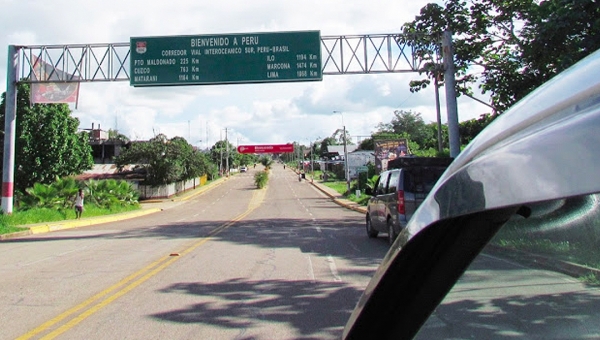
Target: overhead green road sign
x=226, y=58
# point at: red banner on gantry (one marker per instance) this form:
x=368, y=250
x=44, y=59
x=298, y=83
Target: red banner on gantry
x=277, y=148
x=44, y=92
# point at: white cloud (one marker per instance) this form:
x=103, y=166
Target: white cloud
x=259, y=113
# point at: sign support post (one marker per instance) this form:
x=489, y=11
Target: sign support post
x=10, y=114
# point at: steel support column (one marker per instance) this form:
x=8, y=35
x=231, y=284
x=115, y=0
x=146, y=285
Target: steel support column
x=10, y=114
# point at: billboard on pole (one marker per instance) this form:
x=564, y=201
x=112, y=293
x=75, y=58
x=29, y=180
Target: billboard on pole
x=387, y=150
x=45, y=92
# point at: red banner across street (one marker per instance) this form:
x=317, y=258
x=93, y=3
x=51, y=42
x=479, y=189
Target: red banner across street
x=278, y=148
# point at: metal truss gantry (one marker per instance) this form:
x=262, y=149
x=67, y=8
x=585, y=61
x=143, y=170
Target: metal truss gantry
x=346, y=54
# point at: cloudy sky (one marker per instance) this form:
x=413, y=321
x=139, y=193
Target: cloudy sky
x=253, y=113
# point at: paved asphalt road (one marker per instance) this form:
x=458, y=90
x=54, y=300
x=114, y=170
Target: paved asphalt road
x=232, y=263
x=239, y=263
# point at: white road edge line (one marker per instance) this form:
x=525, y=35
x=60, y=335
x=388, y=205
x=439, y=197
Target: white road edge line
x=311, y=272
x=333, y=269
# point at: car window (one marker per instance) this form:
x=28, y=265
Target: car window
x=383, y=180
x=421, y=180
x=539, y=278
x=393, y=182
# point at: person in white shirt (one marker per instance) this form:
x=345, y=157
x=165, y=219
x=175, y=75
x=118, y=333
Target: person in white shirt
x=79, y=204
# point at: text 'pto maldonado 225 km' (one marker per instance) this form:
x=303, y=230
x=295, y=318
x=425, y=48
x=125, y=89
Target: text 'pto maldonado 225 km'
x=227, y=58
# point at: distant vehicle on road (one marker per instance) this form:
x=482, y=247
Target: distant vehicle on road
x=243, y=169
x=399, y=192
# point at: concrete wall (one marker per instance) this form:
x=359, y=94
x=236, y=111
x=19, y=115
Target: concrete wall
x=166, y=191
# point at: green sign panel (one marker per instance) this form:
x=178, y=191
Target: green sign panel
x=226, y=58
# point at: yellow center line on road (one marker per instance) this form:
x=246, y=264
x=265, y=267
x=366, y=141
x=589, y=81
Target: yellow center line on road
x=89, y=301
x=142, y=275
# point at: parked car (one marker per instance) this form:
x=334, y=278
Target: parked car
x=243, y=169
x=533, y=170
x=399, y=192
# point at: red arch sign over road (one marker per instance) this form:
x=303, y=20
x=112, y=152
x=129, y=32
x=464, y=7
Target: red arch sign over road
x=278, y=148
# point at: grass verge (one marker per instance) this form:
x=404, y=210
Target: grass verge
x=14, y=222
x=341, y=187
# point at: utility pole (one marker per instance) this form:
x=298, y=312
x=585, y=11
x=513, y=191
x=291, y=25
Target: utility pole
x=450, y=85
x=346, y=170
x=312, y=168
x=226, y=154
x=221, y=152
x=438, y=111
x=10, y=127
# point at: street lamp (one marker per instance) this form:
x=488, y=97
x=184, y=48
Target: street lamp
x=346, y=170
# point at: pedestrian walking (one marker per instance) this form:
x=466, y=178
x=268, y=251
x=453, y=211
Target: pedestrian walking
x=79, y=203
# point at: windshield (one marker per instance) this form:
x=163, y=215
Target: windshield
x=539, y=278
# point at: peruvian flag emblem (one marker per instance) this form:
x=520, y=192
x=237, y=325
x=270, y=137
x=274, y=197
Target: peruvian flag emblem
x=140, y=47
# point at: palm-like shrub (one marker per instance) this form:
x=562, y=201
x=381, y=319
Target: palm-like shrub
x=67, y=189
x=371, y=182
x=58, y=195
x=110, y=192
x=266, y=162
x=261, y=178
x=41, y=196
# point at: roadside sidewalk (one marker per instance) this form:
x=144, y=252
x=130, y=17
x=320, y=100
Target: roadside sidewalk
x=148, y=207
x=337, y=197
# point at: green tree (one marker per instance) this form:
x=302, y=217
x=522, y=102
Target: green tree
x=111, y=193
x=337, y=137
x=245, y=159
x=325, y=143
x=406, y=123
x=469, y=129
x=47, y=144
x=266, y=161
x=165, y=161
x=189, y=161
x=367, y=144
x=116, y=135
x=561, y=33
x=221, y=152
x=432, y=137
x=313, y=151
x=517, y=44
